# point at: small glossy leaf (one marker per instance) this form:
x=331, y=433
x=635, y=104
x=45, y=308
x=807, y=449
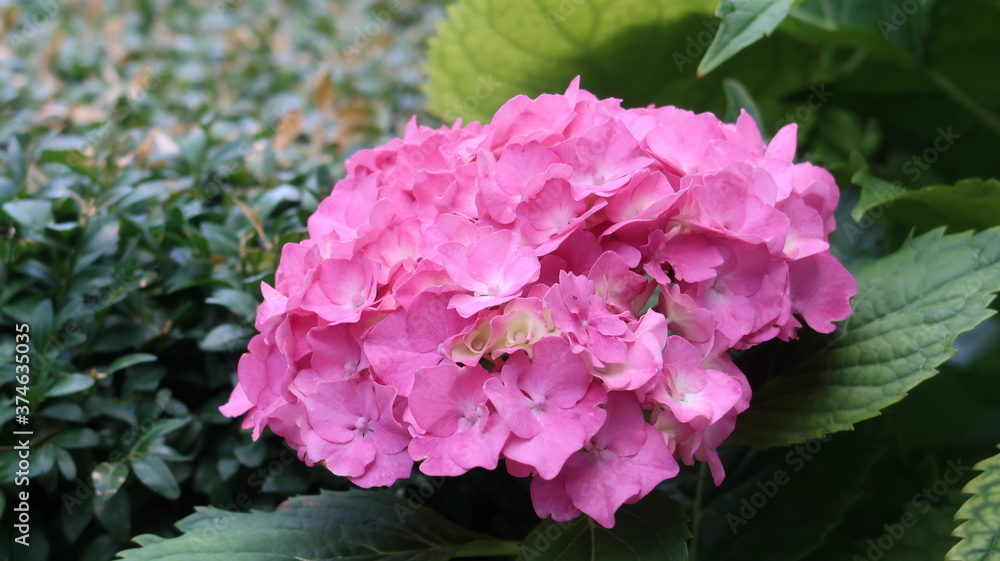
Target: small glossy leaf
x=744, y=22
x=70, y=384
x=227, y=337
x=108, y=479
x=155, y=474
x=29, y=214
x=126, y=361
x=80, y=437
x=242, y=304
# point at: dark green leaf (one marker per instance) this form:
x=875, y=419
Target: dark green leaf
x=158, y=429
x=108, y=479
x=762, y=497
x=65, y=411
x=971, y=204
x=126, y=361
x=227, y=337
x=81, y=437
x=653, y=528
x=910, y=307
x=155, y=474
x=737, y=98
x=350, y=526
x=69, y=384
x=239, y=302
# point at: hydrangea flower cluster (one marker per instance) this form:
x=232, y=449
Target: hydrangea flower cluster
x=559, y=289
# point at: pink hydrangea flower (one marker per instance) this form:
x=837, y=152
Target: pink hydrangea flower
x=558, y=289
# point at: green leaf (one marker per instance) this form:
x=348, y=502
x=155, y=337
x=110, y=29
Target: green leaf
x=29, y=214
x=124, y=362
x=970, y=204
x=351, y=526
x=15, y=161
x=158, y=429
x=100, y=237
x=66, y=464
x=653, y=528
x=910, y=307
x=980, y=533
x=72, y=159
x=226, y=337
x=765, y=494
x=744, y=22
x=155, y=474
x=80, y=437
x=70, y=384
x=737, y=97
x=240, y=303
x=108, y=479
x=65, y=411
x=640, y=51
x=194, y=148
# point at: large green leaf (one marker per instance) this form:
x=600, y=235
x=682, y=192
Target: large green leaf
x=980, y=532
x=970, y=204
x=349, y=526
x=641, y=51
x=766, y=493
x=910, y=307
x=653, y=528
x=743, y=23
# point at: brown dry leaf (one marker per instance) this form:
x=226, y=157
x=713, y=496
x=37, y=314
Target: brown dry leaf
x=114, y=30
x=11, y=17
x=317, y=140
x=158, y=146
x=254, y=217
x=288, y=129
x=86, y=114
x=45, y=65
x=324, y=93
x=51, y=110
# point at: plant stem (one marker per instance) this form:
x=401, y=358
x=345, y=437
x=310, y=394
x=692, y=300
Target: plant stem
x=965, y=100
